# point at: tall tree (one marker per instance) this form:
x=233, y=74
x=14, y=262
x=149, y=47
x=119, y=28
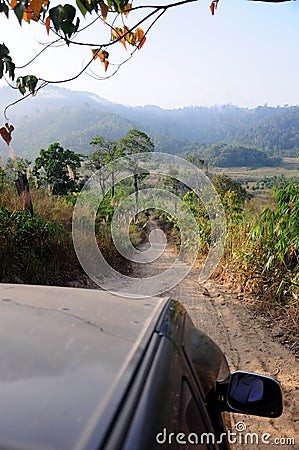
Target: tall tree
x=133, y=144
x=105, y=152
x=58, y=167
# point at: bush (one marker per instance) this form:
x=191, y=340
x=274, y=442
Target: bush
x=34, y=251
x=271, y=256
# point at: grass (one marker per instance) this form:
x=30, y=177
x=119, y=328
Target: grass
x=39, y=249
x=261, y=256
x=289, y=168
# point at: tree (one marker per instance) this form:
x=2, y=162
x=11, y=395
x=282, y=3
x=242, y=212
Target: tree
x=19, y=164
x=58, y=168
x=224, y=184
x=134, y=143
x=18, y=169
x=105, y=152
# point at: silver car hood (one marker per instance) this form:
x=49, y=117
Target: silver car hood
x=66, y=358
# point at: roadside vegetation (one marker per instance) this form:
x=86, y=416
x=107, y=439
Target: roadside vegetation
x=261, y=256
x=262, y=249
x=36, y=220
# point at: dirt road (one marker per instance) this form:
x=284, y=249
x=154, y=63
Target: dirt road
x=247, y=344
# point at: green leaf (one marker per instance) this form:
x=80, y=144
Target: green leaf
x=4, y=8
x=81, y=7
x=10, y=67
x=27, y=82
x=3, y=50
x=113, y=5
x=31, y=82
x=22, y=89
x=56, y=15
x=77, y=25
x=19, y=11
x=68, y=28
x=69, y=13
x=6, y=62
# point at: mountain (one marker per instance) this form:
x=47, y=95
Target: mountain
x=73, y=118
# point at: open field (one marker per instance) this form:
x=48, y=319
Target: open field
x=289, y=169
x=260, y=182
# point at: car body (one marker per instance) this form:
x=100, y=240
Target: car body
x=86, y=370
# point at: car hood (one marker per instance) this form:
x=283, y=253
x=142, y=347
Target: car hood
x=67, y=356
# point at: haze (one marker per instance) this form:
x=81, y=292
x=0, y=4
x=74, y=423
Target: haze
x=246, y=55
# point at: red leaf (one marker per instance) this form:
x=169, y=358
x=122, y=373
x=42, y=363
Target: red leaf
x=6, y=132
x=48, y=21
x=213, y=6
x=123, y=42
x=105, y=64
x=5, y=135
x=104, y=10
x=141, y=42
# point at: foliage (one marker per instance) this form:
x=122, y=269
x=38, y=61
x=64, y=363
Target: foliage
x=64, y=22
x=277, y=181
x=272, y=252
x=33, y=250
x=77, y=118
x=136, y=142
x=200, y=213
x=3, y=180
x=6, y=64
x=105, y=153
x=232, y=195
x=224, y=184
x=275, y=243
x=58, y=167
x=19, y=164
x=23, y=228
x=231, y=155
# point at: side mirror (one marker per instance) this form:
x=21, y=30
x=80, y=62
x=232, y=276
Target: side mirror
x=252, y=393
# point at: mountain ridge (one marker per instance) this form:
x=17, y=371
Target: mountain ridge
x=73, y=118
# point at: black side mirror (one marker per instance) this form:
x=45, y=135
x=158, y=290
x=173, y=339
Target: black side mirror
x=251, y=393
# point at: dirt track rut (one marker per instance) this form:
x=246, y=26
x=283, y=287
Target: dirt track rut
x=248, y=345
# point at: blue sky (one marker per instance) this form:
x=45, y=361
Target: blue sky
x=246, y=55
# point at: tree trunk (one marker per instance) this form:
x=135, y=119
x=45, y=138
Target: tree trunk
x=136, y=197
x=112, y=185
x=22, y=185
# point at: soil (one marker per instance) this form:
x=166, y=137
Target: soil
x=250, y=340
x=250, y=343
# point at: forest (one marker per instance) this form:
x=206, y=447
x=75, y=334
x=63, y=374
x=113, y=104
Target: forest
x=259, y=136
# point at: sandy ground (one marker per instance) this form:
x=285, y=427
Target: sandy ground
x=248, y=344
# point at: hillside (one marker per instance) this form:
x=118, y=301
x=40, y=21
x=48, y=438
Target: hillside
x=74, y=118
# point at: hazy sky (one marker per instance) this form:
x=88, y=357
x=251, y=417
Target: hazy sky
x=247, y=55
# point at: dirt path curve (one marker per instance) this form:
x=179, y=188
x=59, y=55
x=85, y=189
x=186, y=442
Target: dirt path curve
x=247, y=344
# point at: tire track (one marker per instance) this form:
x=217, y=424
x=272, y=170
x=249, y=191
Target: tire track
x=241, y=334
